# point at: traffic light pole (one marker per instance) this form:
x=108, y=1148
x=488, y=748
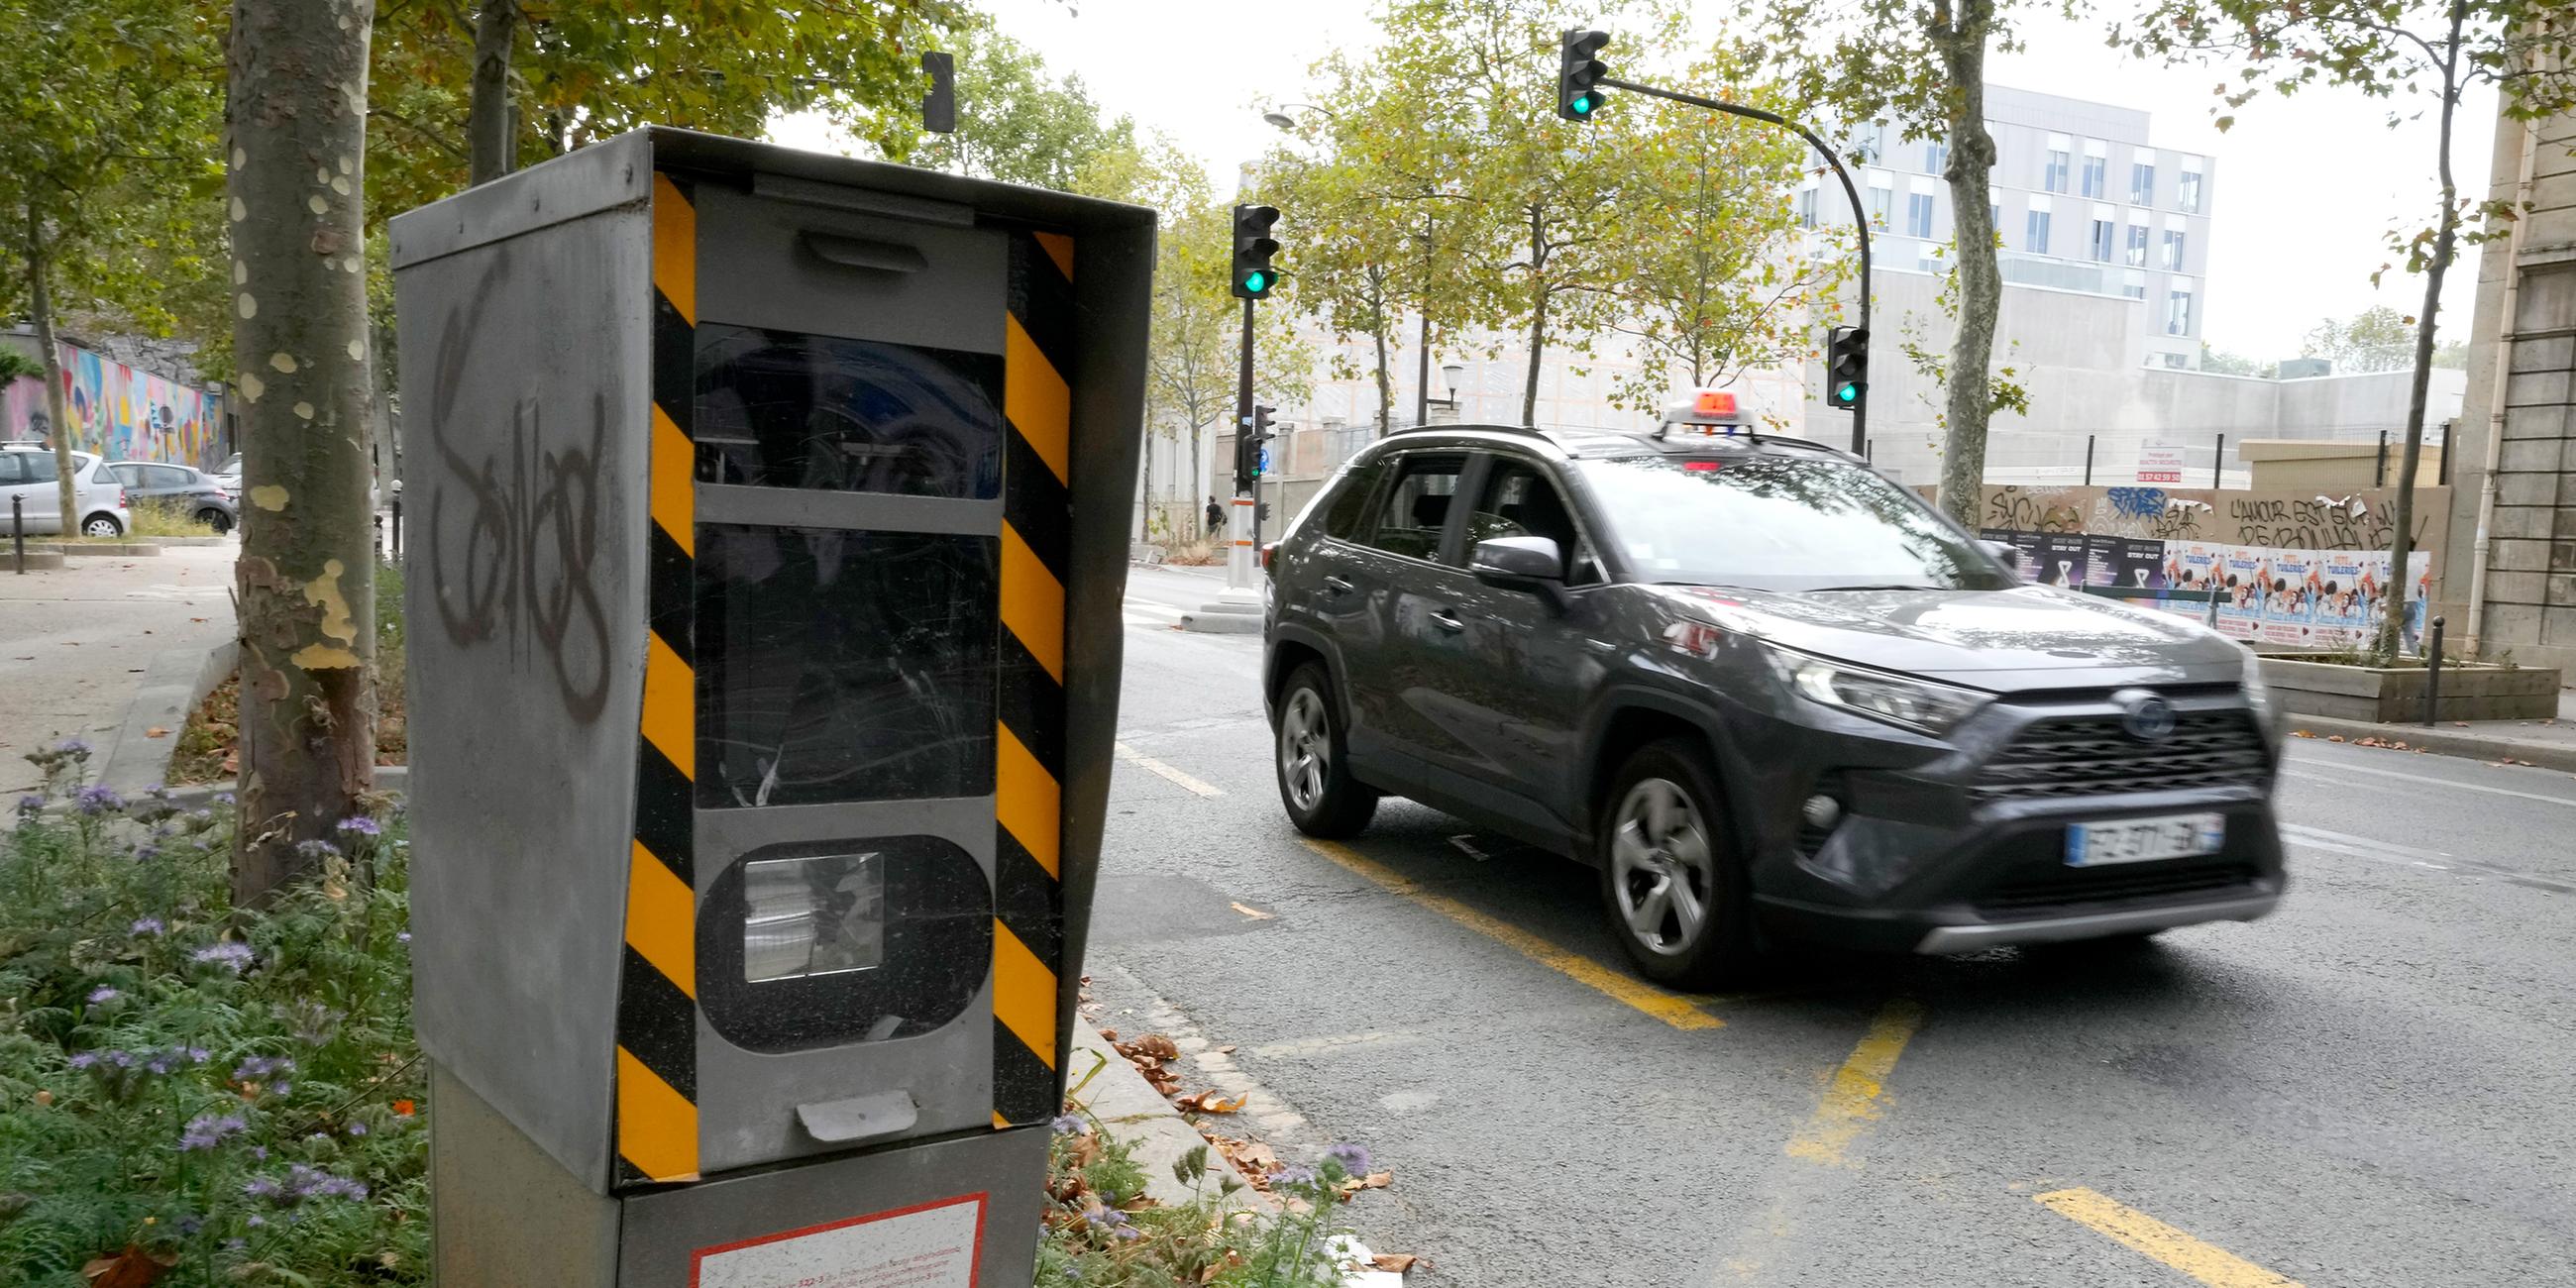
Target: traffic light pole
x=1243, y=523
x=1860, y=215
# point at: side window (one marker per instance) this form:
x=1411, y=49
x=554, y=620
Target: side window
x=1520, y=501
x=39, y=467
x=1348, y=512
x=10, y=469
x=129, y=475
x=1411, y=512
x=167, y=476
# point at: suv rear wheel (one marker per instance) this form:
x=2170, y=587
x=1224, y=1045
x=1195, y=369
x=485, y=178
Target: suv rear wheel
x=215, y=519
x=1672, y=886
x=1315, y=782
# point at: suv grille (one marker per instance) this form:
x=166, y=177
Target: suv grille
x=2076, y=756
x=2066, y=887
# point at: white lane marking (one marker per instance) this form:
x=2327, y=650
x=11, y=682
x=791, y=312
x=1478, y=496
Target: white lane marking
x=1148, y=763
x=1333, y=1042
x=2407, y=856
x=2324, y=839
x=2429, y=780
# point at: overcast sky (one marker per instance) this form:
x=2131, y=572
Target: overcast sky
x=2303, y=191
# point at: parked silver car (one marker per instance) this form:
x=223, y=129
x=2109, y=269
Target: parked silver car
x=27, y=474
x=182, y=488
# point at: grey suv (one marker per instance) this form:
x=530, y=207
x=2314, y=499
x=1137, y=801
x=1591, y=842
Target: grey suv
x=1766, y=692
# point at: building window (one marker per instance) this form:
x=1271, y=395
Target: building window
x=2178, y=313
x=2142, y=184
x=2038, y=241
x=2095, y=171
x=2189, y=195
x=2133, y=284
x=1806, y=207
x=2103, y=233
x=1936, y=154
x=2172, y=260
x=1918, y=214
x=1882, y=205
x=2055, y=179
x=2137, y=245
x=2178, y=361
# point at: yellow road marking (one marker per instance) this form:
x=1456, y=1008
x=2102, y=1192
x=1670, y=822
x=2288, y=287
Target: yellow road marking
x=1672, y=1008
x=1148, y=763
x=2159, y=1242
x=1852, y=1100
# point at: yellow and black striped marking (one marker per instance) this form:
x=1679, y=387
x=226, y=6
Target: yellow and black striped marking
x=657, y=1057
x=1028, y=909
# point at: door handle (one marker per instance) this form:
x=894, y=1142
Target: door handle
x=1447, y=621
x=1338, y=586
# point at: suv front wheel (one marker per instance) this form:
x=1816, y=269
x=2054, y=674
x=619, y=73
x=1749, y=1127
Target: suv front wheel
x=1672, y=886
x=1314, y=762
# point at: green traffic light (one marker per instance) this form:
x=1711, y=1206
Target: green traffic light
x=1582, y=106
x=1256, y=282
x=1847, y=393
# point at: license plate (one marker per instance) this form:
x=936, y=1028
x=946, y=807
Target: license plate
x=2138, y=840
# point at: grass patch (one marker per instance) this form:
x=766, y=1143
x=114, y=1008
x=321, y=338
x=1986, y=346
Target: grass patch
x=195, y=1095
x=164, y=519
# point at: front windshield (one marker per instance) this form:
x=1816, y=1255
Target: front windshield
x=1779, y=523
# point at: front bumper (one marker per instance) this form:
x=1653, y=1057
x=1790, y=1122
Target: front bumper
x=1931, y=858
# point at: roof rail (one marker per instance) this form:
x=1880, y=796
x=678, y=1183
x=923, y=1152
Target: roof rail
x=1531, y=430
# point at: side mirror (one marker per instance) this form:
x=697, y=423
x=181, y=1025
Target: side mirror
x=2005, y=551
x=1518, y=562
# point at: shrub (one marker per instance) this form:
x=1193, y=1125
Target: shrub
x=1102, y=1232
x=231, y=1096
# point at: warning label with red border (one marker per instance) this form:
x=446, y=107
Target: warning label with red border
x=928, y=1245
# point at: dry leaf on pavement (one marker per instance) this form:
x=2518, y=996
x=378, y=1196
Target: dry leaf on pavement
x=156, y=731
x=1397, y=1262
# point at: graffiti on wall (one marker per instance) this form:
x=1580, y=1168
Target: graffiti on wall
x=2277, y=520
x=120, y=413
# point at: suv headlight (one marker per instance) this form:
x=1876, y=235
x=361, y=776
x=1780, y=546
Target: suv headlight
x=1914, y=704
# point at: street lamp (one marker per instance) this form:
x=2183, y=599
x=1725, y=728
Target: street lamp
x=1449, y=373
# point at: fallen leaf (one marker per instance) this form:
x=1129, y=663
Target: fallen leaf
x=156, y=731
x=2301, y=733
x=1109, y=1035
x=132, y=1268
x=1255, y=913
x=1227, y=1049
x=2335, y=738
x=44, y=1097
x=1395, y=1262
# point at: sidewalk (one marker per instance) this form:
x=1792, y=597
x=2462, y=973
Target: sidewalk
x=2548, y=744
x=76, y=642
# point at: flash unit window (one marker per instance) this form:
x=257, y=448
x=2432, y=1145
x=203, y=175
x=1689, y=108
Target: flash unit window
x=812, y=916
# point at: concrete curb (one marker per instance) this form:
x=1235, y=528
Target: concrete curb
x=392, y=780
x=98, y=549
x=176, y=681
x=1207, y=623
x=2445, y=741
x=1104, y=1085
x=37, y=560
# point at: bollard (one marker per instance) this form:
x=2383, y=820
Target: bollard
x=2433, y=674
x=378, y=521
x=18, y=531
x=397, y=527
x=2379, y=478
x=2218, y=467
x=2088, y=460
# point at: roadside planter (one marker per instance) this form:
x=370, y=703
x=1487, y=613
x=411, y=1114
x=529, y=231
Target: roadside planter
x=2395, y=694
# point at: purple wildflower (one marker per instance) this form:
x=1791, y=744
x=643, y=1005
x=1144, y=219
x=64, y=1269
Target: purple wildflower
x=1068, y=1124
x=402, y=936
x=205, y=1131
x=72, y=747
x=317, y=849
x=97, y=799
x=236, y=1245
x=362, y=826
x=1353, y=1158
x=261, y=1187
x=84, y=1060
x=159, y=1063
x=1293, y=1176
x=255, y=1219
x=223, y=798
x=147, y=926
x=357, y=1129
x=259, y=1152
x=30, y=804
x=103, y=993
x=262, y=1066
x=199, y=1055
x=282, y=1090
x=121, y=1059
x=231, y=954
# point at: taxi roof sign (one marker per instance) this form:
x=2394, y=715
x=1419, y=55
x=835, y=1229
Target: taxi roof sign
x=1707, y=407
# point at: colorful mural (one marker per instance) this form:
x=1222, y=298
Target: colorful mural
x=122, y=413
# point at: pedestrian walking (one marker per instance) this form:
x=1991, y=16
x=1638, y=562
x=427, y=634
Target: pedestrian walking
x=1215, y=516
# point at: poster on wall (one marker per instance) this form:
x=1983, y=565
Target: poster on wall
x=2289, y=600
x=2025, y=549
x=2160, y=462
x=2102, y=561
x=2241, y=572
x=2061, y=559
x=2342, y=612
x=2138, y=563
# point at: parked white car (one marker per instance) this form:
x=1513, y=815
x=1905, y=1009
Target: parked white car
x=27, y=473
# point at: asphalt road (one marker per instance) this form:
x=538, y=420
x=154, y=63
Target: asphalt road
x=2371, y=1087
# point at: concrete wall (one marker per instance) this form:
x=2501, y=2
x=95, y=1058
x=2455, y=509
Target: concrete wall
x=2341, y=465
x=2530, y=584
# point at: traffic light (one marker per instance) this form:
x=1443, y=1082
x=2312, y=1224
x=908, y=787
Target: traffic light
x=1579, y=73
x=1846, y=366
x=1253, y=247
x=939, y=106
x=1261, y=436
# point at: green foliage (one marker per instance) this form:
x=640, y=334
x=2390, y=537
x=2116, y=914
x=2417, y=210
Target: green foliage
x=18, y=366
x=2229, y=363
x=2378, y=338
x=1021, y=125
x=1100, y=1229
x=234, y=1095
